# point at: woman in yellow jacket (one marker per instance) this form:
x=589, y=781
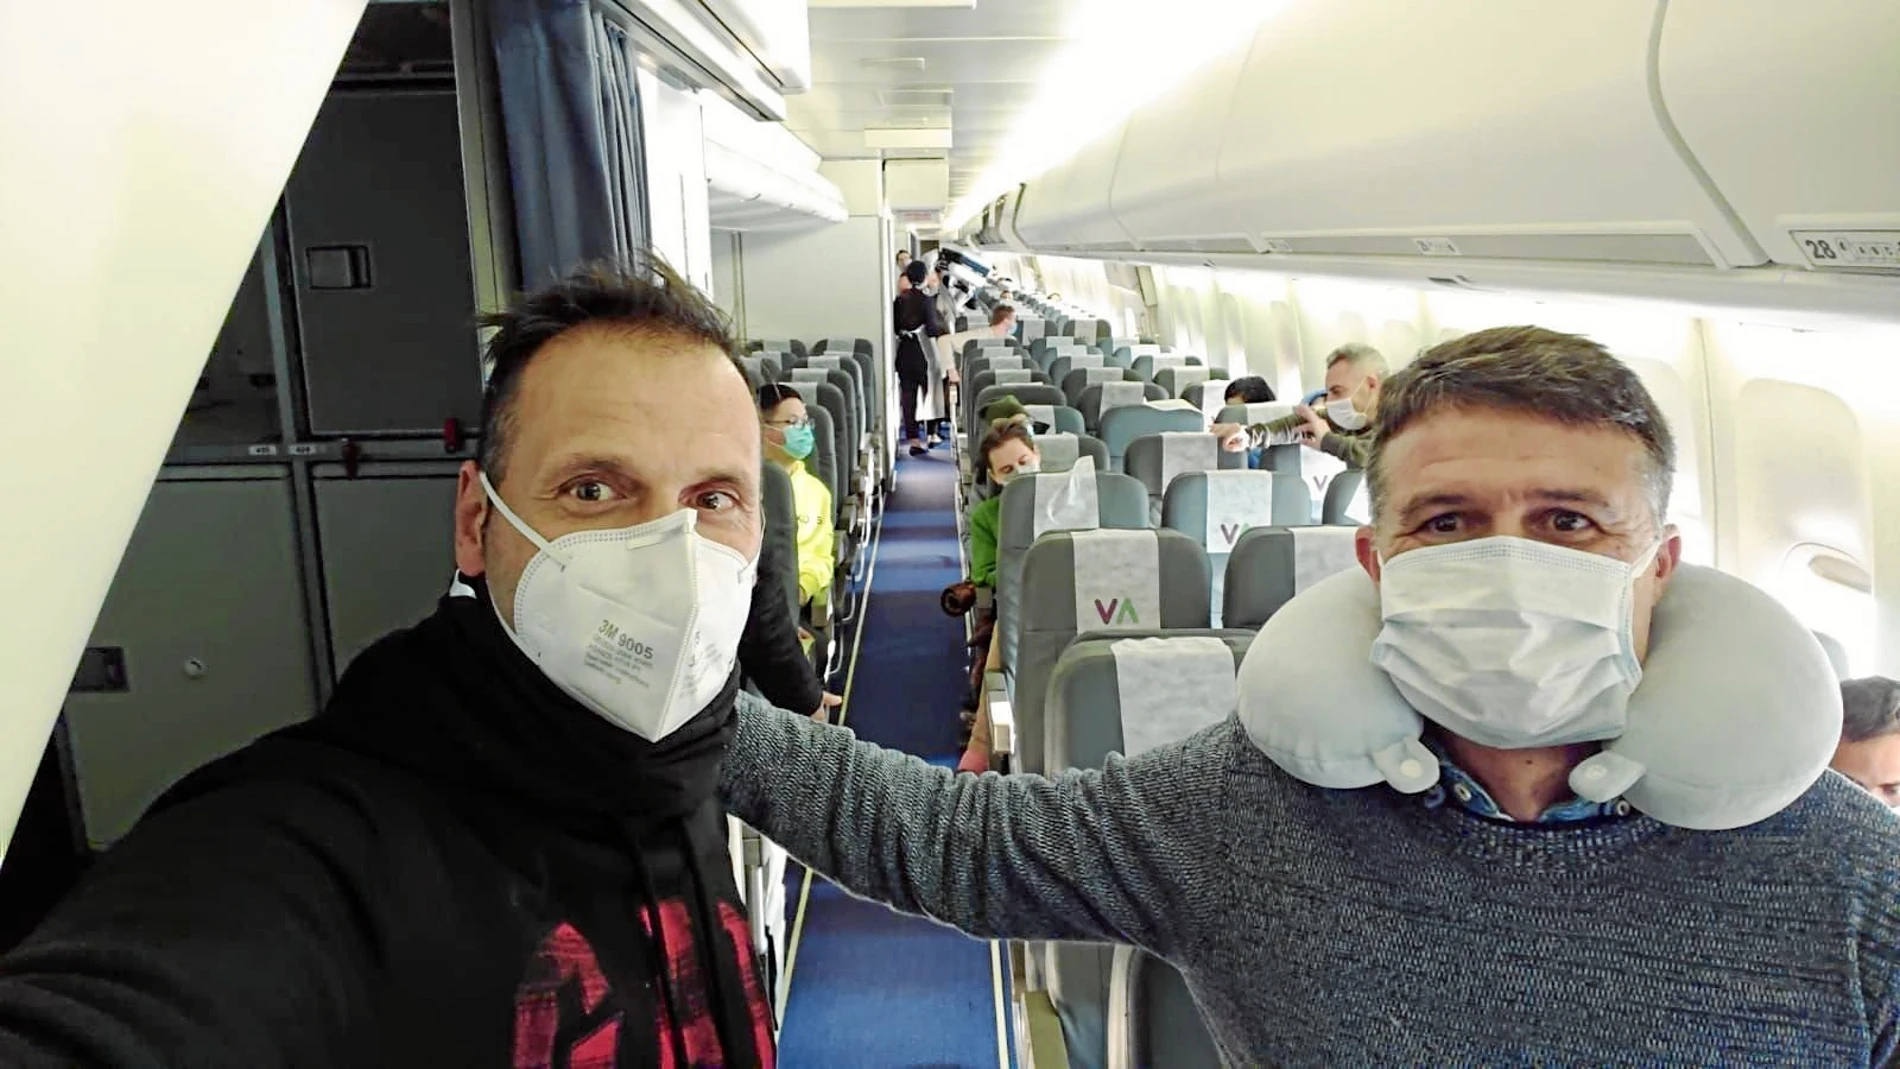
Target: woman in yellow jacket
x=788, y=441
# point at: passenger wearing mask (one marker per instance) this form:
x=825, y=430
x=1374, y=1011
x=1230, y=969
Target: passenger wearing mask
x=501, y=842
x=1354, y=373
x=918, y=325
x=788, y=443
x=1519, y=485
x=1869, y=753
x=1002, y=321
x=1007, y=453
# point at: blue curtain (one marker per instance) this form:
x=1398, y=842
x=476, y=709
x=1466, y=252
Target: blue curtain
x=571, y=116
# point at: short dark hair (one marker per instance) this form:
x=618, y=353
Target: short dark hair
x=1871, y=707
x=1565, y=378
x=1000, y=433
x=1000, y=313
x=774, y=394
x=1252, y=389
x=917, y=271
x=644, y=297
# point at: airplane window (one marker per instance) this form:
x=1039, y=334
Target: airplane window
x=1831, y=592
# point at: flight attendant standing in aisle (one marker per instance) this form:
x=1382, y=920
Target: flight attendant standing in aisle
x=914, y=314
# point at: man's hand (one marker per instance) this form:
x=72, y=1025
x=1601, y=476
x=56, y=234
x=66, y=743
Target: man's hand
x=1316, y=427
x=1231, y=436
x=823, y=713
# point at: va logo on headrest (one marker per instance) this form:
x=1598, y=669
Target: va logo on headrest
x=1231, y=532
x=1117, y=612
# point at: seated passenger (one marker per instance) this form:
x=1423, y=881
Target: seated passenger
x=1367, y=926
x=1006, y=452
x=788, y=442
x=487, y=822
x=1248, y=390
x=1869, y=753
x=1354, y=373
x=1002, y=321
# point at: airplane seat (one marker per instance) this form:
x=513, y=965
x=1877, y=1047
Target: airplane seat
x=1097, y=401
x=1209, y=396
x=773, y=363
x=1031, y=394
x=972, y=346
x=1261, y=412
x=779, y=542
x=1270, y=565
x=839, y=346
x=1176, y=380
x=1218, y=507
x=755, y=376
x=1082, y=498
x=1108, y=347
x=1128, y=354
x=1060, y=419
x=834, y=393
x=995, y=360
x=1079, y=379
x=1346, y=499
x=1157, y=459
x=858, y=395
x=1120, y=425
x=1090, y=581
x=1067, y=360
x=1030, y=328
x=1148, y=366
x=785, y=345
x=1126, y=693
x=982, y=381
x=825, y=438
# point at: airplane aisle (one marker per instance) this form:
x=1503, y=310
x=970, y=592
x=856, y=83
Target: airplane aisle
x=869, y=987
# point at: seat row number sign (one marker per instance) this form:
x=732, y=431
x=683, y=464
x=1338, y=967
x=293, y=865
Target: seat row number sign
x=1849, y=248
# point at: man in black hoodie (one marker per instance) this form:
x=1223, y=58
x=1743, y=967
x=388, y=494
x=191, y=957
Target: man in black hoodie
x=500, y=844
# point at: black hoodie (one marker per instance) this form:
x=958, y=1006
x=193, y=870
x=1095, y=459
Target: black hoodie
x=454, y=865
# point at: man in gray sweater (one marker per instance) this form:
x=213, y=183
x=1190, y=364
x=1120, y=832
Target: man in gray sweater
x=1494, y=918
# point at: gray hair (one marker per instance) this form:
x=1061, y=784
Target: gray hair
x=1872, y=708
x=1362, y=356
x=1564, y=378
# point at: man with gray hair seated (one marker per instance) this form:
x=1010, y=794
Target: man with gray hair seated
x=1354, y=373
x=1869, y=753
x=1519, y=479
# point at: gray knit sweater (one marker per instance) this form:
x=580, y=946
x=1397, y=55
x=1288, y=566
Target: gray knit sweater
x=1324, y=927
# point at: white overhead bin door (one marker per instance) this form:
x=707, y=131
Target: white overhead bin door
x=1489, y=129
x=760, y=176
x=1794, y=109
x=1170, y=160
x=1484, y=128
x=1069, y=209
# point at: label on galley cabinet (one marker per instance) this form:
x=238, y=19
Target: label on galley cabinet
x=304, y=449
x=264, y=450
x=1277, y=244
x=1849, y=248
x=1436, y=247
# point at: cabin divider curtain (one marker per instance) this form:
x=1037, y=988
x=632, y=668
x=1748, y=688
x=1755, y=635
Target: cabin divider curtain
x=570, y=113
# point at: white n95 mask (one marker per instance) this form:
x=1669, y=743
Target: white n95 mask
x=1510, y=642
x=640, y=624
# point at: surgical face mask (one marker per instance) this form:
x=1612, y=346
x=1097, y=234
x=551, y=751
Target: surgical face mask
x=1345, y=415
x=640, y=624
x=1512, y=643
x=799, y=441
x=1028, y=467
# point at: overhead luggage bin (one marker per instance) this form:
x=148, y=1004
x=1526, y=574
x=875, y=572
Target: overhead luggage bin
x=1499, y=130
x=760, y=176
x=1794, y=111
x=1068, y=208
x=1169, y=160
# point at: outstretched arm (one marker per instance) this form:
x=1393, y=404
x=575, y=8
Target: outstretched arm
x=1108, y=854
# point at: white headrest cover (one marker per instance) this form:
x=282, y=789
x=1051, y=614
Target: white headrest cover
x=1736, y=717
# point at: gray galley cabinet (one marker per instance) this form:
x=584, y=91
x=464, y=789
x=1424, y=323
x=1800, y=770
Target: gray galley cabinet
x=201, y=644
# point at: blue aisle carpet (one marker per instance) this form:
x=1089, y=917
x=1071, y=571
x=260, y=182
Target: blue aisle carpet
x=871, y=988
